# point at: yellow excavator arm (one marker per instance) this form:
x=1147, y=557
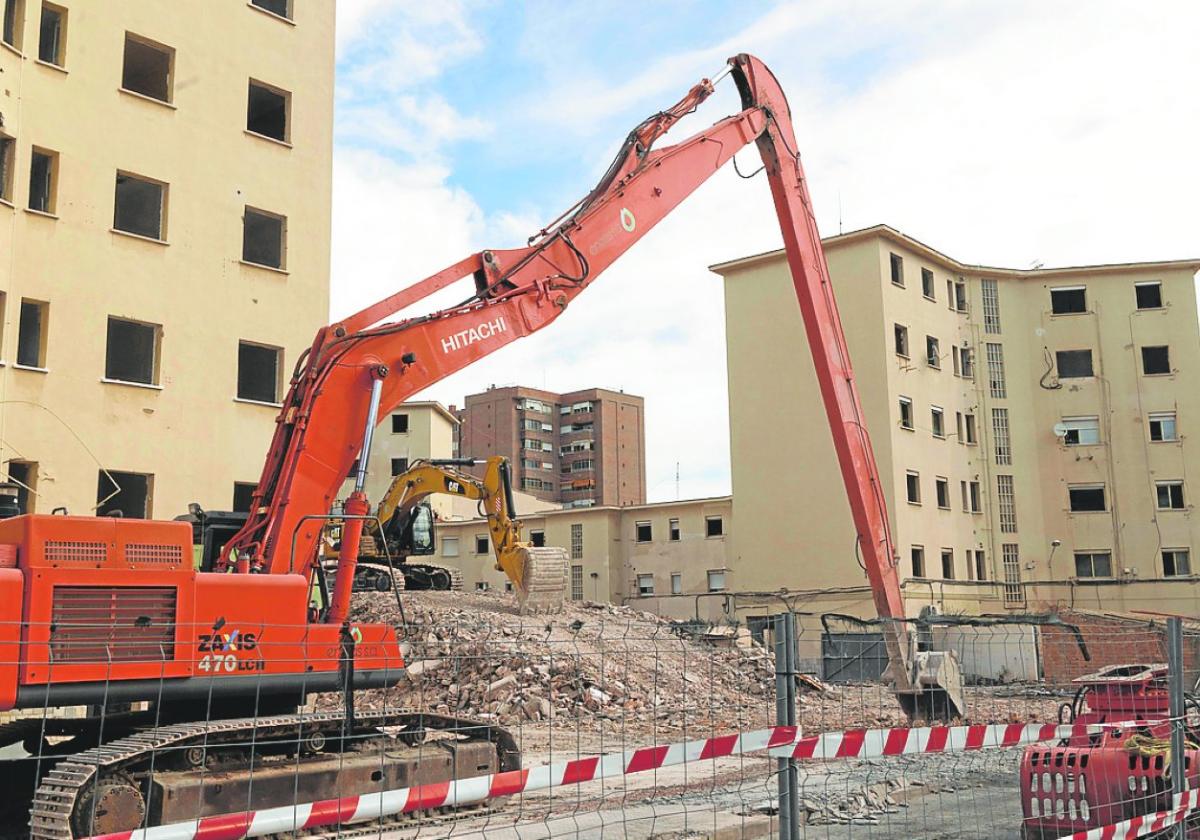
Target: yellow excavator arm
x=538, y=573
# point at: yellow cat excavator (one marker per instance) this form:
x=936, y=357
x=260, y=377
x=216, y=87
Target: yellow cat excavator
x=403, y=527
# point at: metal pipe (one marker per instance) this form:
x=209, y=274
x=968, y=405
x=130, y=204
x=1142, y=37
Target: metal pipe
x=368, y=433
x=1176, y=690
x=781, y=715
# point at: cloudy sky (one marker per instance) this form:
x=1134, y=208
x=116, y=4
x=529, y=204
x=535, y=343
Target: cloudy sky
x=1006, y=133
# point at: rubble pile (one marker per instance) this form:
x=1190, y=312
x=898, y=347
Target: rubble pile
x=471, y=654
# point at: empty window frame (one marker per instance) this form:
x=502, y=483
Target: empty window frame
x=258, y=372
x=968, y=362
x=399, y=465
x=124, y=494
x=537, y=539
x=268, y=111
x=942, y=486
x=132, y=351
x=906, y=413
x=959, y=302
x=1010, y=558
x=24, y=474
x=1163, y=426
x=399, y=424
x=264, y=238
x=673, y=530
x=1073, y=364
x=481, y=544
x=140, y=206
x=716, y=580
x=577, y=541
x=1177, y=562
x=897, y=264
x=43, y=180
x=1148, y=295
x=1156, y=360
x=714, y=526
x=1007, y=504
x=282, y=8
x=643, y=532
x=995, y=364
x=1169, y=495
x=1068, y=300
x=14, y=22
x=1001, y=436
x=8, y=157
x=148, y=69
x=577, y=583
x=917, y=554
x=955, y=356
x=933, y=353
x=991, y=306
x=1093, y=564
x=980, y=564
x=974, y=497
x=243, y=495
x=912, y=487
x=645, y=585
x=937, y=421
x=900, y=333
x=948, y=564
x=32, y=329
x=969, y=429
x=1086, y=498
x=1080, y=431
x=52, y=37
x=927, y=284
x=676, y=583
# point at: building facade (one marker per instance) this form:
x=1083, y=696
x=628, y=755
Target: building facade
x=165, y=189
x=1030, y=426
x=580, y=449
x=671, y=558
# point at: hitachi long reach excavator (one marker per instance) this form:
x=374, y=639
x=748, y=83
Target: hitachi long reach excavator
x=538, y=573
x=102, y=612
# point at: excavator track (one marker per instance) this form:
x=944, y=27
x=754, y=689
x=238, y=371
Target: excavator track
x=98, y=790
x=543, y=586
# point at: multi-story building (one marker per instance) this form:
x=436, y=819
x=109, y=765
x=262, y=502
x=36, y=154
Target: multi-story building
x=668, y=557
x=165, y=181
x=579, y=449
x=1031, y=428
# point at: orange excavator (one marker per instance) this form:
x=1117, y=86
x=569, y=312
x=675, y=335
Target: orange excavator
x=113, y=613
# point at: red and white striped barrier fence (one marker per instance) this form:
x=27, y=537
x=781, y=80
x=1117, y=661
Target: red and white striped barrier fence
x=779, y=741
x=1184, y=804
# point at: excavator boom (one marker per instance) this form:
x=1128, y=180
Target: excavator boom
x=359, y=369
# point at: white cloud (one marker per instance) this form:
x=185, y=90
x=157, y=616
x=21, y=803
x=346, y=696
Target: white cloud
x=1001, y=134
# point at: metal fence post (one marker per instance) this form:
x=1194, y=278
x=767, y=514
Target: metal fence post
x=1175, y=687
x=785, y=715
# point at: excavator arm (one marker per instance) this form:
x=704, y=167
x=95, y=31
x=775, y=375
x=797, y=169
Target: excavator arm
x=538, y=574
x=359, y=369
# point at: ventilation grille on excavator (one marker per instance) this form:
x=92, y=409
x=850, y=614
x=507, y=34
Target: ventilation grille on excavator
x=112, y=624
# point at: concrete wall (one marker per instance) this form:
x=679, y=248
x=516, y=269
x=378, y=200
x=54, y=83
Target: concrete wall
x=188, y=431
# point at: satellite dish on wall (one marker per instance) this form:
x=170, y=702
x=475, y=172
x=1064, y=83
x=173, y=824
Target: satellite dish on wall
x=1060, y=430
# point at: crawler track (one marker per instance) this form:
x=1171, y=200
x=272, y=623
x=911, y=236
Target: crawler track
x=64, y=805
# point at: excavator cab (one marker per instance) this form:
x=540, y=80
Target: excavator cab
x=412, y=533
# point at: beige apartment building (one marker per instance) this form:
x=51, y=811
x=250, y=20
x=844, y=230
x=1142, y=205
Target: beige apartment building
x=1031, y=427
x=672, y=558
x=165, y=181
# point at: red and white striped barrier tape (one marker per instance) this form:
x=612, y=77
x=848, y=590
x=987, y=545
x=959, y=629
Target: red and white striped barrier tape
x=873, y=743
x=1184, y=803
x=780, y=741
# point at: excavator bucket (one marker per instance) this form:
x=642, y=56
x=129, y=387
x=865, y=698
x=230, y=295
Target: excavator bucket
x=937, y=688
x=543, y=584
